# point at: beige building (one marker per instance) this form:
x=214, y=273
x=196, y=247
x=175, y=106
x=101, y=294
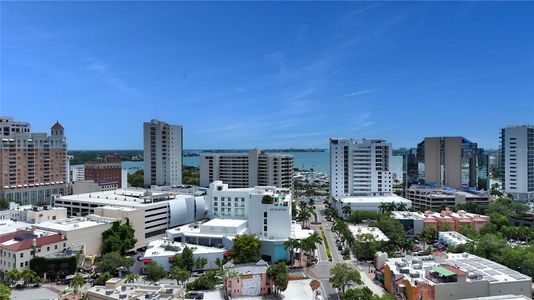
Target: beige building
x=34, y=165
x=81, y=232
x=38, y=215
x=452, y=161
x=243, y=170
x=134, y=216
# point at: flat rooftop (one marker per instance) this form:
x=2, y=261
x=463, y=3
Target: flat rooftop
x=225, y=222
x=8, y=226
x=373, y=199
x=375, y=231
x=164, y=247
x=453, y=236
x=132, y=197
x=71, y=224
x=476, y=268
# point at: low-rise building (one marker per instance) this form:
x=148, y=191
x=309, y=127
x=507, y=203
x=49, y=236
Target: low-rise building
x=19, y=247
x=10, y=226
x=415, y=222
x=452, y=238
x=163, y=251
x=433, y=196
x=116, y=289
x=32, y=214
x=452, y=276
x=91, y=186
x=370, y=203
x=81, y=232
x=159, y=210
x=378, y=235
x=250, y=280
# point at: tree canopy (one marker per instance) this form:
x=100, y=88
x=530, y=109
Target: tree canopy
x=342, y=276
x=111, y=262
x=120, y=237
x=155, y=272
x=246, y=248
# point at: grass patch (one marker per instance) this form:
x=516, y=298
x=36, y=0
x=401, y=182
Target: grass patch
x=326, y=245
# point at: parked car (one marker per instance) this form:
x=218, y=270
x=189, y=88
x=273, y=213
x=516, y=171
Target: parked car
x=195, y=295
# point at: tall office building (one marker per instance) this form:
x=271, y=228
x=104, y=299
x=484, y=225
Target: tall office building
x=33, y=165
x=242, y=170
x=163, y=153
x=454, y=162
x=360, y=168
x=517, y=161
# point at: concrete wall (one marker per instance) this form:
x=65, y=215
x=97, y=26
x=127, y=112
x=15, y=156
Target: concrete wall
x=37, y=217
x=432, y=160
x=136, y=217
x=453, y=162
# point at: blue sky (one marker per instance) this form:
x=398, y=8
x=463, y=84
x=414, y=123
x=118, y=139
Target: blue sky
x=269, y=74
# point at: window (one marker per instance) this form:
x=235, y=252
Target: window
x=264, y=228
x=265, y=214
x=22, y=255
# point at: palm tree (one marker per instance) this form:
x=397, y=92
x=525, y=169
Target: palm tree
x=77, y=282
x=310, y=243
x=314, y=214
x=402, y=206
x=291, y=245
x=304, y=216
x=303, y=205
x=131, y=278
x=27, y=276
x=382, y=208
x=346, y=211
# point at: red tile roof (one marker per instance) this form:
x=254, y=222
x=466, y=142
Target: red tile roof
x=57, y=126
x=27, y=243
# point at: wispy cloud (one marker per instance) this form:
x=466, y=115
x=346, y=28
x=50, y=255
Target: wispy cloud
x=103, y=71
x=358, y=93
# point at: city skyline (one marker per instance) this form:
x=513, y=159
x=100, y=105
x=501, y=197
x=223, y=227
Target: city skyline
x=344, y=70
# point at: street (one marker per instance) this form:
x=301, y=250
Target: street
x=321, y=271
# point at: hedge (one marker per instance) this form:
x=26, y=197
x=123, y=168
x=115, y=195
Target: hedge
x=326, y=245
x=55, y=268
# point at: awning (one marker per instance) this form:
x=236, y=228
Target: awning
x=443, y=272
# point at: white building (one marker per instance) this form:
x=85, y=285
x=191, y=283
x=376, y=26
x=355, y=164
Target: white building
x=262, y=211
x=378, y=235
x=242, y=170
x=77, y=173
x=370, y=203
x=360, y=167
x=517, y=161
x=452, y=238
x=117, y=289
x=158, y=210
x=163, y=153
x=162, y=252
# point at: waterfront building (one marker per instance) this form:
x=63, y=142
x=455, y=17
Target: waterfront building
x=163, y=154
x=34, y=165
x=452, y=161
x=243, y=170
x=360, y=168
x=151, y=212
x=415, y=222
x=433, y=196
x=517, y=161
x=451, y=276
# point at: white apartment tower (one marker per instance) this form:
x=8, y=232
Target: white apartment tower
x=163, y=153
x=360, y=167
x=517, y=161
